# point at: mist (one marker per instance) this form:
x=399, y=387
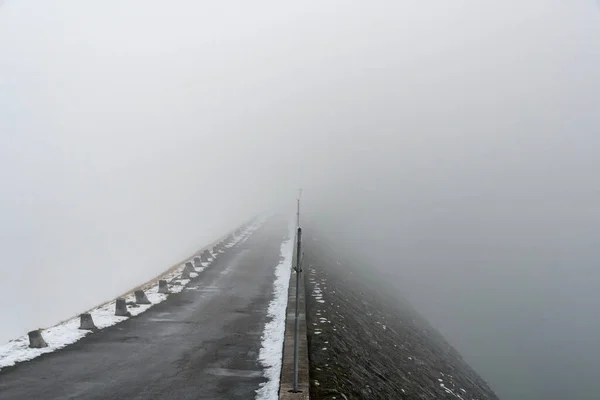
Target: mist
x=456, y=143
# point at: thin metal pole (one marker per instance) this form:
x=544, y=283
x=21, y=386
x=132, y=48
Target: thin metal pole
x=298, y=213
x=297, y=322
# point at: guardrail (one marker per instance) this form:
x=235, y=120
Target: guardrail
x=294, y=382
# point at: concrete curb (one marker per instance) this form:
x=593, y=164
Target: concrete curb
x=287, y=367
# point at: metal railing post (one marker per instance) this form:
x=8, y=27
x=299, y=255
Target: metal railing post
x=298, y=269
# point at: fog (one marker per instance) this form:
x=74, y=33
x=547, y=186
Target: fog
x=456, y=143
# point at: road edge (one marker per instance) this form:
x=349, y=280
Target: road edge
x=287, y=367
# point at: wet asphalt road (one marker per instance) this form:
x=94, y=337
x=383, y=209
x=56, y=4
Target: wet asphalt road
x=200, y=344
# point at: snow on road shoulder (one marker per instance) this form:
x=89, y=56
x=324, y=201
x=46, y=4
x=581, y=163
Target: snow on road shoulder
x=245, y=234
x=271, y=351
x=68, y=332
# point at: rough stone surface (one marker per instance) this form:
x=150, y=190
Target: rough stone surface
x=86, y=322
x=163, y=286
x=366, y=342
x=121, y=308
x=141, y=298
x=36, y=341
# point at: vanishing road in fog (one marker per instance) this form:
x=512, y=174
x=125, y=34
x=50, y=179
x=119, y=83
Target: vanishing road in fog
x=200, y=344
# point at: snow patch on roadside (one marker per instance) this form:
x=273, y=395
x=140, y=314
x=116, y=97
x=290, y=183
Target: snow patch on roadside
x=270, y=355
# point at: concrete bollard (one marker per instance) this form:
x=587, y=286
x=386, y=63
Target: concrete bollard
x=86, y=322
x=140, y=297
x=121, y=308
x=163, y=287
x=185, y=274
x=36, y=341
x=197, y=261
x=204, y=256
x=189, y=267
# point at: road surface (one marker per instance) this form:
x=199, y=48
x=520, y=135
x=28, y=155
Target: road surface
x=200, y=344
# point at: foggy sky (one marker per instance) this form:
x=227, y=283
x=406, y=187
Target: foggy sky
x=457, y=142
